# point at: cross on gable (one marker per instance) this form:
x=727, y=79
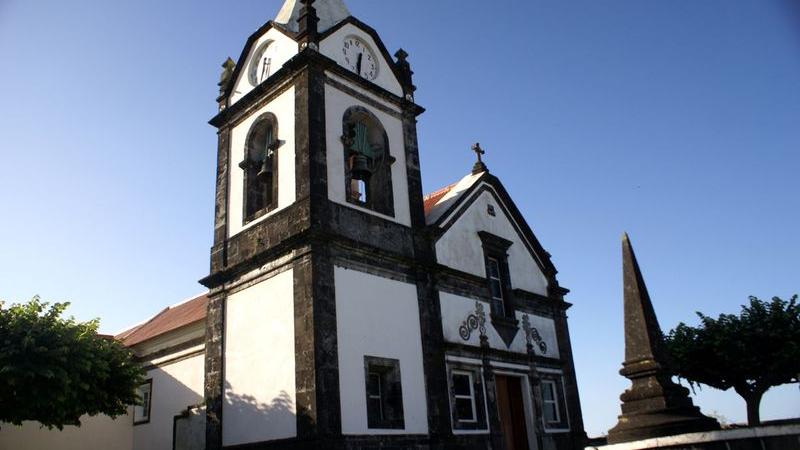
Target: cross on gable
x=479, y=165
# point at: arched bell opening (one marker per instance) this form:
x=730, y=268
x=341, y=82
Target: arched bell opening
x=368, y=161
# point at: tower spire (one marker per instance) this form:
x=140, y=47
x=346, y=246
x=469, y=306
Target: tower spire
x=329, y=13
x=654, y=405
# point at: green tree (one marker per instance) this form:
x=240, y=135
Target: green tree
x=751, y=352
x=54, y=370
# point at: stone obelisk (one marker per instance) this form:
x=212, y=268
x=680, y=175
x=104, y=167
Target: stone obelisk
x=654, y=405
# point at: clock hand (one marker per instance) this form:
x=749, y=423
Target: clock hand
x=358, y=64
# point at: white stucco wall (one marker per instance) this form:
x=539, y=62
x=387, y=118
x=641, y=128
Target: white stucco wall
x=461, y=248
x=456, y=309
x=331, y=47
x=259, y=363
x=378, y=317
x=176, y=386
x=336, y=103
x=285, y=49
x=283, y=109
x=95, y=433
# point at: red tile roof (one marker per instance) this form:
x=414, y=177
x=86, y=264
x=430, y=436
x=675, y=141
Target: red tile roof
x=433, y=198
x=169, y=319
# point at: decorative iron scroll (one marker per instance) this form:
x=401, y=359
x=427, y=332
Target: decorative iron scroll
x=474, y=321
x=532, y=334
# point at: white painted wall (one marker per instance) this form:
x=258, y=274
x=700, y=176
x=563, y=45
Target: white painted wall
x=461, y=248
x=331, y=47
x=285, y=49
x=378, y=317
x=456, y=309
x=283, y=109
x=259, y=363
x=95, y=433
x=336, y=103
x=176, y=386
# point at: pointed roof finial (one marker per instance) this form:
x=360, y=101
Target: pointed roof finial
x=479, y=165
x=406, y=74
x=227, y=71
x=654, y=405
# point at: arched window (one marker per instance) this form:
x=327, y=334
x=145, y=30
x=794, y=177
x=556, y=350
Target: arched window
x=368, y=171
x=260, y=166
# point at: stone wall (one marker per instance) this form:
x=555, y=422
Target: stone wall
x=770, y=437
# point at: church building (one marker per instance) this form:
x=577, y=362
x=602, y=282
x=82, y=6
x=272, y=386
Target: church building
x=345, y=309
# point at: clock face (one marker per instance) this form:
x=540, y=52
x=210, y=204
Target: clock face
x=359, y=57
x=262, y=65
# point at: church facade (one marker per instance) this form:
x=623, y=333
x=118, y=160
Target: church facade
x=345, y=308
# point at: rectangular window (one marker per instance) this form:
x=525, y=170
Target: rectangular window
x=554, y=406
x=495, y=282
x=468, y=410
x=550, y=402
x=384, y=393
x=141, y=413
x=464, y=397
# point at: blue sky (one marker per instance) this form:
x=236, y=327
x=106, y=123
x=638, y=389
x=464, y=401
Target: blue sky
x=677, y=121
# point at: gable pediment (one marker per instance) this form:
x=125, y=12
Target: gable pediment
x=485, y=209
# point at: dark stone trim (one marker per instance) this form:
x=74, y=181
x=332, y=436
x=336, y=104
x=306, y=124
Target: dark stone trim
x=494, y=243
x=578, y=435
x=405, y=105
x=493, y=354
x=364, y=98
x=254, y=100
x=316, y=347
x=467, y=285
x=272, y=87
x=218, y=255
x=214, y=376
x=495, y=431
x=553, y=304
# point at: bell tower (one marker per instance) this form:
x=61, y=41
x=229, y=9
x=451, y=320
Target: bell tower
x=318, y=239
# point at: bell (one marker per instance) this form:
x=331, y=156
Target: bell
x=266, y=170
x=360, y=168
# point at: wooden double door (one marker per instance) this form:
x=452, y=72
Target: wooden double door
x=511, y=408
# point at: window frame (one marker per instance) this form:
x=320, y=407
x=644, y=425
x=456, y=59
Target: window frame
x=553, y=388
x=272, y=202
x=146, y=417
x=471, y=396
x=556, y=380
x=391, y=393
x=495, y=249
x=480, y=425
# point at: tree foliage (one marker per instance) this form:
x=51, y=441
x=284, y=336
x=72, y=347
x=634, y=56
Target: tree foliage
x=54, y=370
x=751, y=352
